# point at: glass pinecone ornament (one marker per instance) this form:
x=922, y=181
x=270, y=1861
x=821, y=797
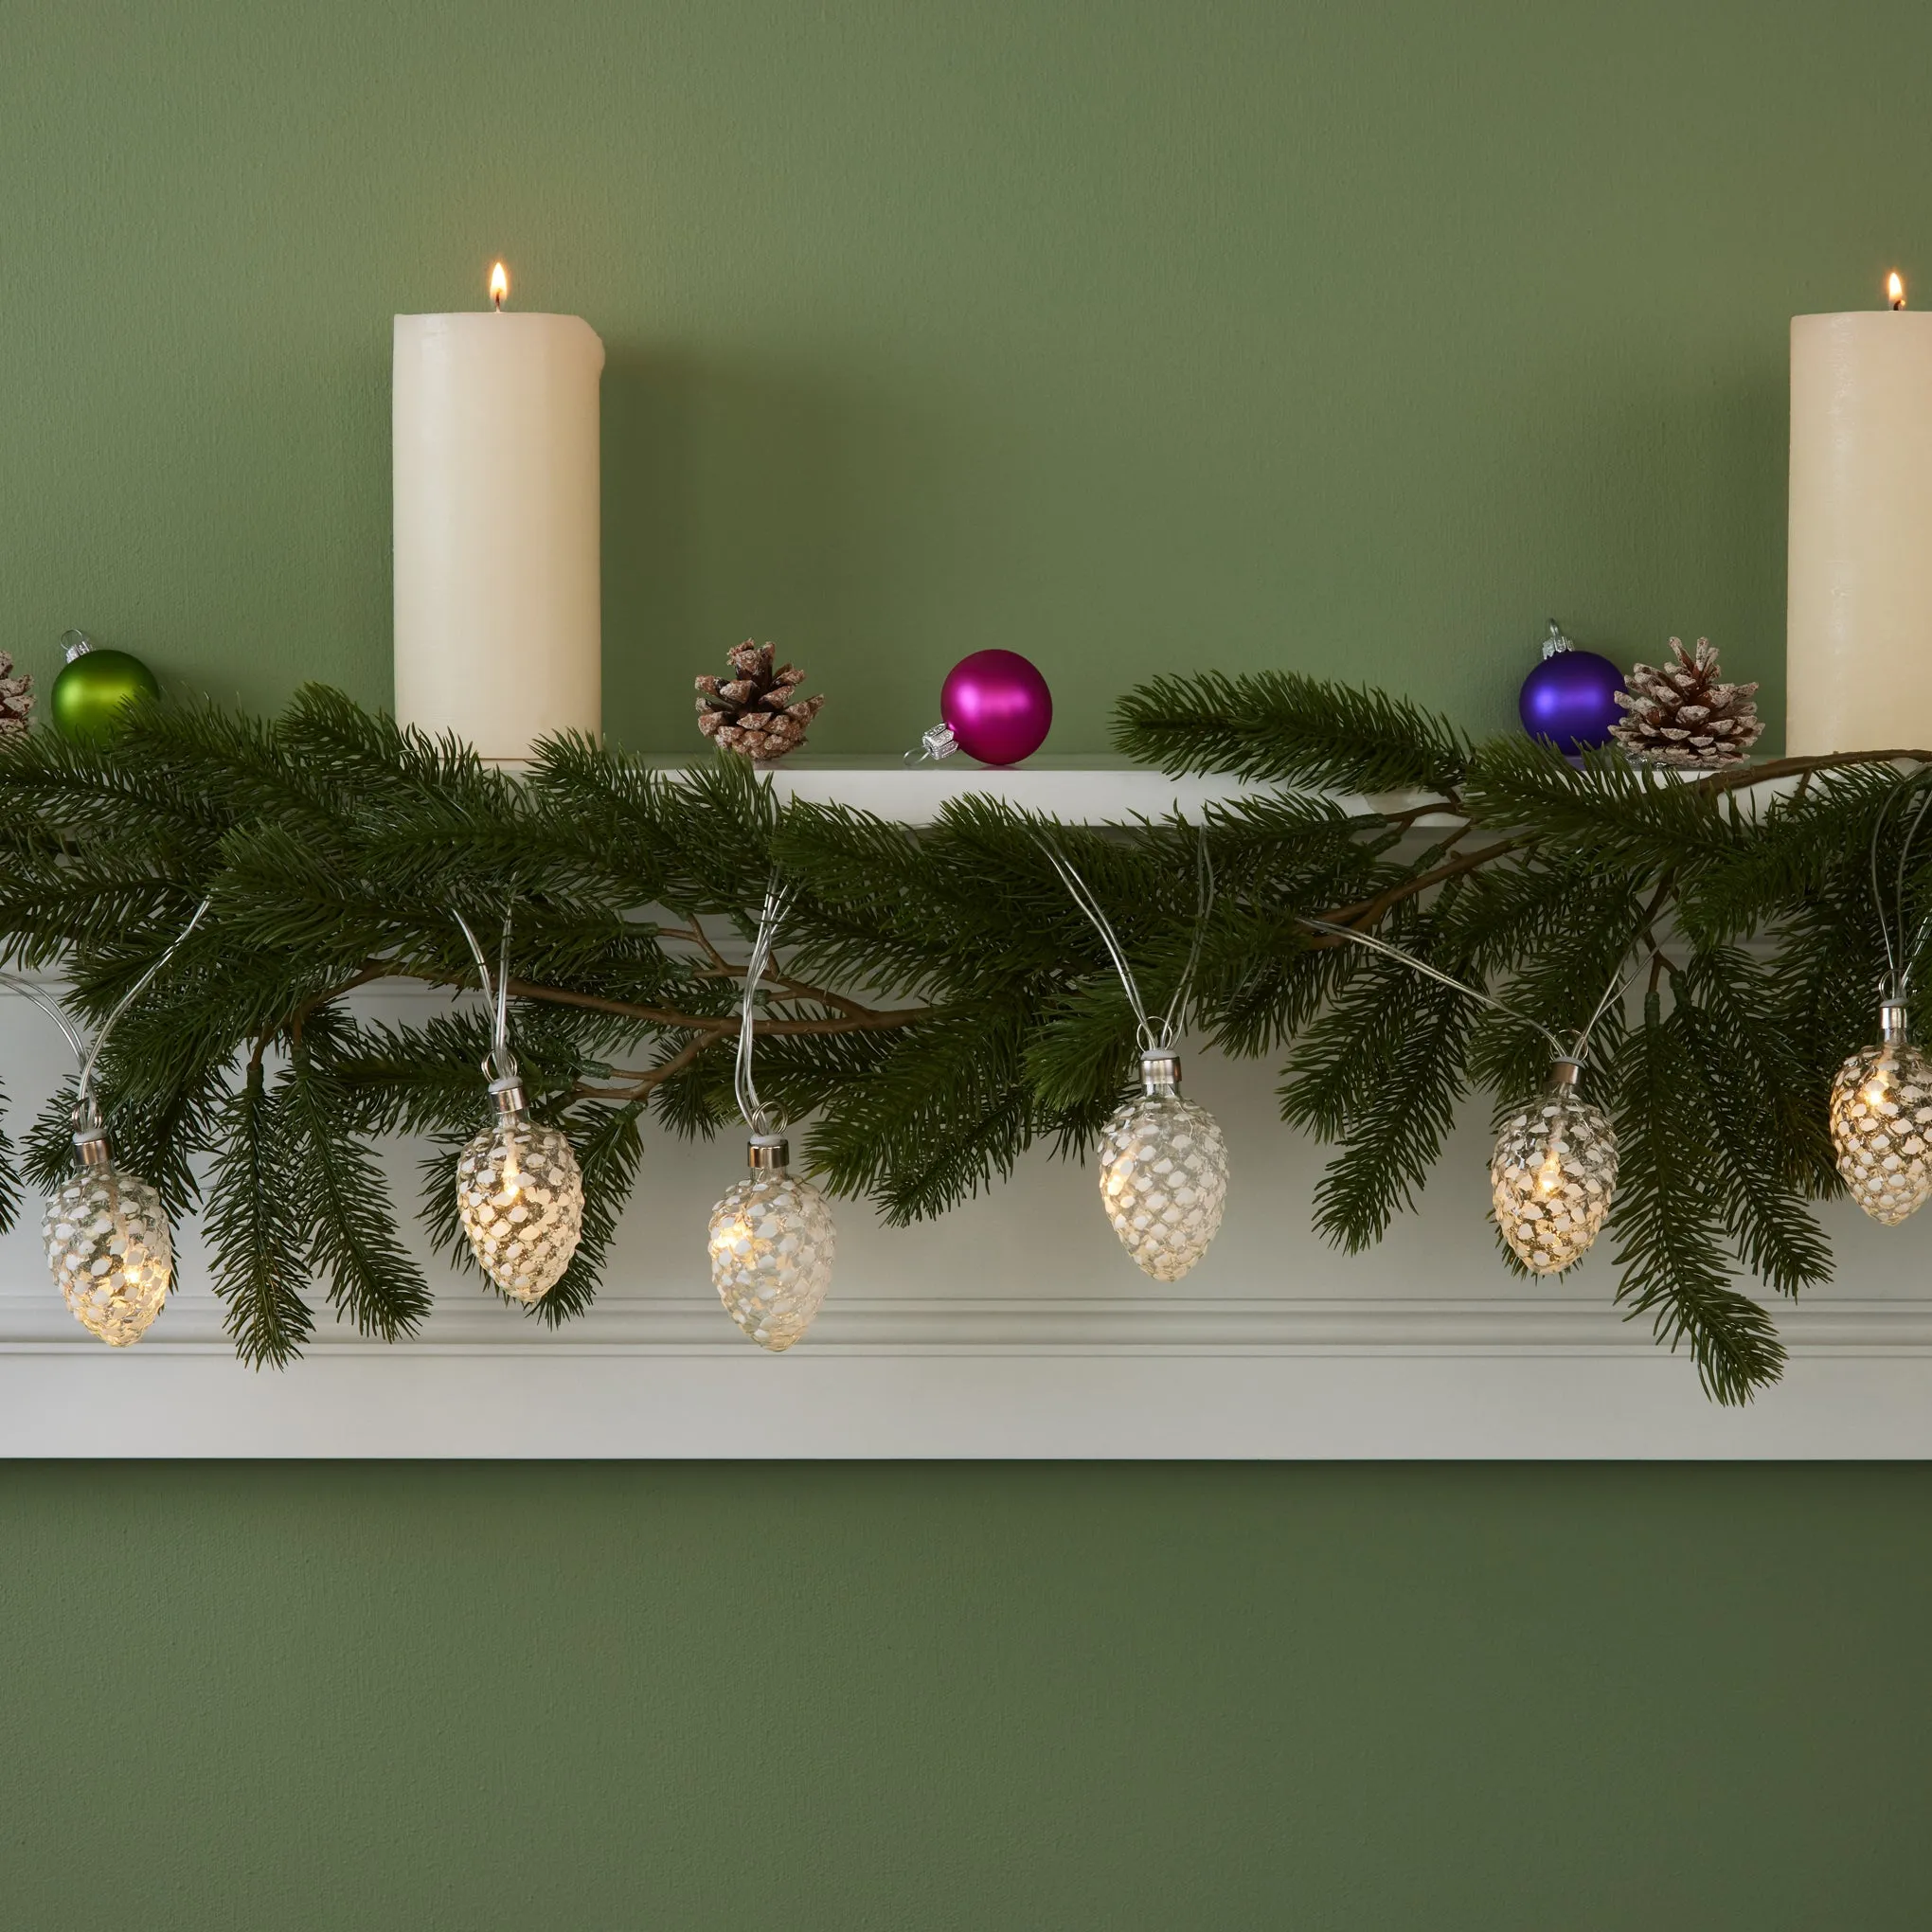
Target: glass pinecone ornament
x=1163, y=1173
x=1682, y=714
x=1552, y=1176
x=756, y=710
x=16, y=700
x=771, y=1244
x=1882, y=1123
x=108, y=1242
x=520, y=1198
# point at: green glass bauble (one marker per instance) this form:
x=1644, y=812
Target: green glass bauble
x=96, y=686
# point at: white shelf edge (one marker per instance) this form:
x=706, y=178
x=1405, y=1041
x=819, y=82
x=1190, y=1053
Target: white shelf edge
x=1132, y=1379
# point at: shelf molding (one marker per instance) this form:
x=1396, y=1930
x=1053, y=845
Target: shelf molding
x=1538, y=1377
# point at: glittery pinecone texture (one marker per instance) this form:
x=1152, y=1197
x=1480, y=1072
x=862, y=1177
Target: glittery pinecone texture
x=754, y=710
x=1680, y=714
x=16, y=698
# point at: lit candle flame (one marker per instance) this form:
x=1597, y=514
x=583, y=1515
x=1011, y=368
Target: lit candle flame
x=1895, y=289
x=499, y=285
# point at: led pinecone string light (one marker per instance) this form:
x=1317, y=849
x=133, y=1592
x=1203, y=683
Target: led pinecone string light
x=772, y=1237
x=1163, y=1159
x=519, y=1189
x=108, y=1242
x=1554, y=1173
x=1881, y=1109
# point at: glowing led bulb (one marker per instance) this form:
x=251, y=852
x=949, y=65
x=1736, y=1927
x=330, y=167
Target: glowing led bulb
x=1881, y=1115
x=1163, y=1173
x=520, y=1199
x=1553, y=1176
x=772, y=1246
x=109, y=1247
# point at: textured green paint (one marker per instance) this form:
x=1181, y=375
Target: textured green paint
x=959, y=1698
x=1132, y=334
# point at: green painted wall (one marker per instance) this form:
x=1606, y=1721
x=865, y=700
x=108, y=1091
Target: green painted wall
x=960, y=1699
x=1133, y=333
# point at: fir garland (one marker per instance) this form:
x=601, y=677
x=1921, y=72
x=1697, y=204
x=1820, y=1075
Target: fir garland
x=943, y=1005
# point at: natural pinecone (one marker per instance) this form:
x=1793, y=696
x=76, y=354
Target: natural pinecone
x=16, y=698
x=1680, y=714
x=754, y=710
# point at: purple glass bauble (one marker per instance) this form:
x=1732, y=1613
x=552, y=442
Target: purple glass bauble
x=997, y=705
x=1571, y=697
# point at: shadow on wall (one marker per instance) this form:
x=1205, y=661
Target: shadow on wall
x=715, y=475
x=1700, y=552
x=845, y=523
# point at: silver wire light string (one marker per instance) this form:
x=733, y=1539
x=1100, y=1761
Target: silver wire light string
x=1575, y=1052
x=1156, y=1037
x=498, y=1060
x=130, y=995
x=757, y=1116
x=1899, y=964
x=88, y=1058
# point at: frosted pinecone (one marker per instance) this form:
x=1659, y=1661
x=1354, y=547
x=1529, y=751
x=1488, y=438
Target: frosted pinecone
x=16, y=698
x=757, y=710
x=1682, y=714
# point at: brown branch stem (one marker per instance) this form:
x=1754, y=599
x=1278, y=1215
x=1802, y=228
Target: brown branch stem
x=1368, y=912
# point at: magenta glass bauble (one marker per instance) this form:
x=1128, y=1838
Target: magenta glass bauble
x=1571, y=697
x=997, y=706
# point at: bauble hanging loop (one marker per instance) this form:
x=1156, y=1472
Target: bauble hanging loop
x=1553, y=1174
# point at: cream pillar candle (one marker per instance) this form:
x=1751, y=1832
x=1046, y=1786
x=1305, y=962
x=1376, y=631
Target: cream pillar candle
x=498, y=599
x=1858, y=637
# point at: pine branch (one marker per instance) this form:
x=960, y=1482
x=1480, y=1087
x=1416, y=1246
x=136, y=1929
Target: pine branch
x=938, y=1003
x=1666, y=1216
x=609, y=1149
x=1395, y=1137
x=1284, y=728
x=254, y=1232
x=10, y=1176
x=352, y=1239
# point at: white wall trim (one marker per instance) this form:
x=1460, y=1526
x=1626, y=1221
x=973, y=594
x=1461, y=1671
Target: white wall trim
x=1539, y=1377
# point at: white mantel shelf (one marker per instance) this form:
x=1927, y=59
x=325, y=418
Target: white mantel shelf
x=1079, y=791
x=1014, y=1328
x=1084, y=790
